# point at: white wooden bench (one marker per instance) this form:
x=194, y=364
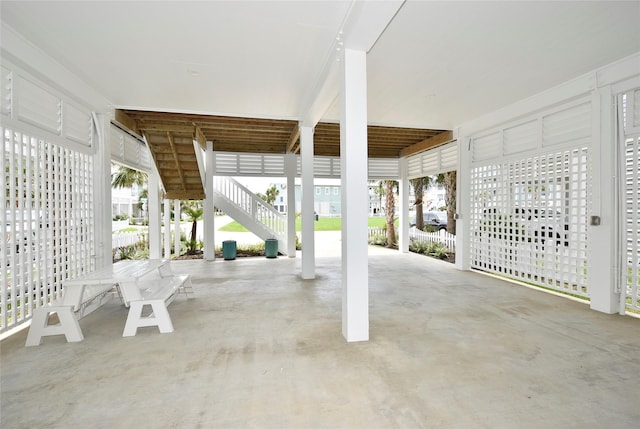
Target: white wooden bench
x=139, y=282
x=70, y=308
x=156, y=291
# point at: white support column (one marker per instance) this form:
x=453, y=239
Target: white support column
x=290, y=172
x=308, y=218
x=153, y=203
x=353, y=162
x=177, y=215
x=602, y=238
x=463, y=257
x=102, y=189
x=167, y=228
x=208, y=209
x=403, y=242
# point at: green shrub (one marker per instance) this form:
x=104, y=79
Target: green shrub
x=378, y=240
x=437, y=250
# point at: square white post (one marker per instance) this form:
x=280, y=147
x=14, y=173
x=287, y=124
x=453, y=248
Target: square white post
x=209, y=209
x=463, y=203
x=102, y=190
x=308, y=218
x=403, y=242
x=177, y=215
x=167, y=228
x=155, y=246
x=353, y=162
x=290, y=172
x=602, y=257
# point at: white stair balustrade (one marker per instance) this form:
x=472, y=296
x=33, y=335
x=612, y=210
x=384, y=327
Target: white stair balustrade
x=250, y=210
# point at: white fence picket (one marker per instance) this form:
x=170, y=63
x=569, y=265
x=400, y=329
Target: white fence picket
x=415, y=234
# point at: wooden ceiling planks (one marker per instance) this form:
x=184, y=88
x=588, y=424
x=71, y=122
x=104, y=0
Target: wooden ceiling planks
x=170, y=137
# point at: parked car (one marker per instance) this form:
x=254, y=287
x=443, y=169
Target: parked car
x=544, y=224
x=434, y=220
x=20, y=229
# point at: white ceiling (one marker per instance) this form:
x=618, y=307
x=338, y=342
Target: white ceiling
x=437, y=64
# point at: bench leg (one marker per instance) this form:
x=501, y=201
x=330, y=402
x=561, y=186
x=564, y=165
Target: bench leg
x=159, y=317
x=187, y=288
x=68, y=326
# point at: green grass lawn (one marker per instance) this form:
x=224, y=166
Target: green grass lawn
x=322, y=224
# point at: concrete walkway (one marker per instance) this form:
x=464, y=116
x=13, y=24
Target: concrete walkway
x=261, y=348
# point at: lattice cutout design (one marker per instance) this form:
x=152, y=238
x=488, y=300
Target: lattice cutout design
x=49, y=222
x=631, y=225
x=529, y=219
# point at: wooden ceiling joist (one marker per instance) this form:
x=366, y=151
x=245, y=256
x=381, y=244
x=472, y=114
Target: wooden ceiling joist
x=170, y=137
x=177, y=161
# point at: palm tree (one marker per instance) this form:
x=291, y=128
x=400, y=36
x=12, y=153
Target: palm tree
x=450, y=180
x=390, y=210
x=126, y=177
x=194, y=211
x=418, y=192
x=270, y=195
x=420, y=185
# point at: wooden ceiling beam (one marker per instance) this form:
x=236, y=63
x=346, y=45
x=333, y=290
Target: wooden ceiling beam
x=243, y=128
x=293, y=138
x=127, y=121
x=430, y=143
x=163, y=128
x=178, y=165
x=200, y=138
x=185, y=195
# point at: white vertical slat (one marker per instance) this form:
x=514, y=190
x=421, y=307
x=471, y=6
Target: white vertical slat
x=11, y=205
x=4, y=257
x=631, y=226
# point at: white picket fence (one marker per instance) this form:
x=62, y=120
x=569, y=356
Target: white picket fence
x=441, y=236
x=415, y=234
x=124, y=239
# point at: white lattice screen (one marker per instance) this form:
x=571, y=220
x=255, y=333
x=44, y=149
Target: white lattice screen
x=631, y=199
x=531, y=184
x=529, y=219
x=49, y=222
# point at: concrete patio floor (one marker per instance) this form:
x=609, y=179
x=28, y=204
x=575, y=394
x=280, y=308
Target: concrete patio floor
x=260, y=348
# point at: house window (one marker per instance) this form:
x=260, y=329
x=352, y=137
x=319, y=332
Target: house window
x=335, y=190
x=318, y=190
x=326, y=190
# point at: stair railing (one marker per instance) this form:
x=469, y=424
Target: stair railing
x=252, y=205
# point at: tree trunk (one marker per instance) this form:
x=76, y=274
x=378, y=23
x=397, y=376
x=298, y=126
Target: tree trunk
x=194, y=227
x=418, y=192
x=390, y=209
x=450, y=178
